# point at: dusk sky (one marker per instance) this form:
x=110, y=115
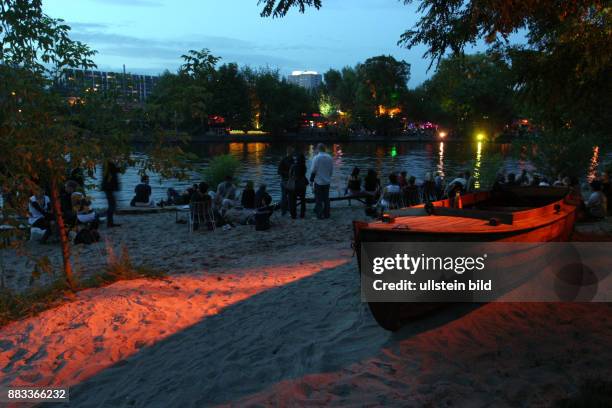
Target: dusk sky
x=149, y=36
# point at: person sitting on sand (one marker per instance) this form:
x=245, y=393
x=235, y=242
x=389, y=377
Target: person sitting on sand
x=201, y=205
x=247, y=200
x=391, y=196
x=262, y=198
x=66, y=202
x=226, y=193
x=596, y=206
x=403, y=180
x=41, y=215
x=353, y=185
x=371, y=186
x=411, y=192
x=143, y=194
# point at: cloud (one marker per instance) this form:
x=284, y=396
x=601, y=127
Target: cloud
x=161, y=54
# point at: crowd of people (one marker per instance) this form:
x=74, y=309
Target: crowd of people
x=76, y=209
x=225, y=206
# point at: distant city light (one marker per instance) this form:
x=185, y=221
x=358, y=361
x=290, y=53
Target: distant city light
x=442, y=135
x=480, y=137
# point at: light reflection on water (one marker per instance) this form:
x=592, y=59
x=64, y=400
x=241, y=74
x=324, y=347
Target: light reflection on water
x=260, y=163
x=477, y=165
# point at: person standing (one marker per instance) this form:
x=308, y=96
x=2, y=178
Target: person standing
x=110, y=185
x=283, y=172
x=296, y=184
x=322, y=170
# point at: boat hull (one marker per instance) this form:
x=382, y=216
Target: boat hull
x=555, y=223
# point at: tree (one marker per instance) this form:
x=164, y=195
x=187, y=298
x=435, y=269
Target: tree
x=563, y=72
x=39, y=144
x=278, y=104
x=183, y=101
x=371, y=94
x=230, y=91
x=42, y=137
x=473, y=92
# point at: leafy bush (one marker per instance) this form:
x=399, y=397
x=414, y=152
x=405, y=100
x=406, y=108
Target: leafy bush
x=564, y=151
x=219, y=168
x=15, y=306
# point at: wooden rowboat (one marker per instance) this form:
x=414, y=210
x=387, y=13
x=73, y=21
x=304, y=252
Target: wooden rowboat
x=517, y=214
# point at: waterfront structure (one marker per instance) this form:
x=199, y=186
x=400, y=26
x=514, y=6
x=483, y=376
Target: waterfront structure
x=306, y=79
x=133, y=88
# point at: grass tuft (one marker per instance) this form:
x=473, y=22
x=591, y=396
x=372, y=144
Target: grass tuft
x=19, y=305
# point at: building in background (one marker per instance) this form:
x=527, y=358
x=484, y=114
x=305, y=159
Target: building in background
x=306, y=79
x=132, y=88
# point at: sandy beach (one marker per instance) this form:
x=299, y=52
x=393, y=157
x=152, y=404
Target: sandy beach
x=275, y=318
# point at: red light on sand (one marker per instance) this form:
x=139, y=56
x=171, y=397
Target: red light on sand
x=106, y=325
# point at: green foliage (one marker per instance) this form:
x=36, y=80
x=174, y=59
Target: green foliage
x=379, y=82
x=245, y=98
x=120, y=267
x=470, y=92
x=557, y=151
x=36, y=42
x=283, y=6
x=278, y=103
x=231, y=97
x=42, y=137
x=15, y=306
x=18, y=305
x=562, y=74
x=219, y=168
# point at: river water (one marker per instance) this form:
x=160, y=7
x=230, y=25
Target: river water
x=260, y=160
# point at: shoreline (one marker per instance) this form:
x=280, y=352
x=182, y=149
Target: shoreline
x=275, y=318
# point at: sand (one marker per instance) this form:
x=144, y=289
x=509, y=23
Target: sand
x=275, y=319
x=158, y=242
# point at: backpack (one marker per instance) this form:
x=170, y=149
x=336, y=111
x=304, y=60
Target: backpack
x=86, y=236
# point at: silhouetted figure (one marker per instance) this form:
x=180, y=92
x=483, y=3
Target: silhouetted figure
x=296, y=184
x=110, y=185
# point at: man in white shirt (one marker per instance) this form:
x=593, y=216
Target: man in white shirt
x=321, y=174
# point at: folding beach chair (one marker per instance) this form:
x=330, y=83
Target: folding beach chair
x=201, y=213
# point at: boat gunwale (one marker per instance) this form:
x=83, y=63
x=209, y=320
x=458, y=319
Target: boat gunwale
x=565, y=210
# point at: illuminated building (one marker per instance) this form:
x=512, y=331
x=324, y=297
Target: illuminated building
x=133, y=87
x=305, y=79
